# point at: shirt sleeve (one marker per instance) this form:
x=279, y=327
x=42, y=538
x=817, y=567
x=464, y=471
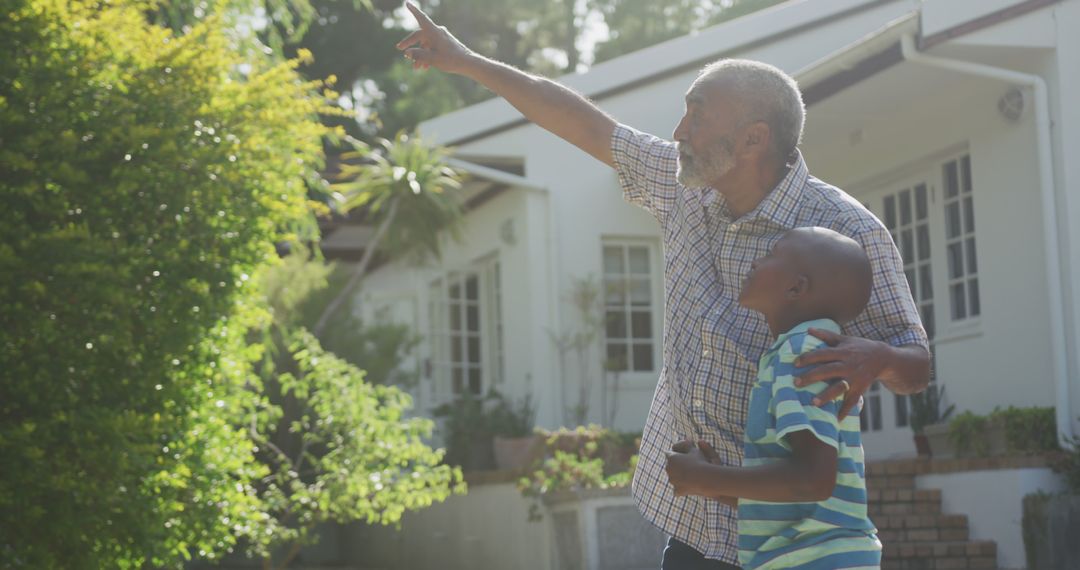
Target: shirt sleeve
x=647, y=167
x=793, y=407
x=891, y=315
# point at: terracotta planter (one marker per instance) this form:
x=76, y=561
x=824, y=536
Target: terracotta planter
x=937, y=439
x=517, y=453
x=942, y=447
x=922, y=445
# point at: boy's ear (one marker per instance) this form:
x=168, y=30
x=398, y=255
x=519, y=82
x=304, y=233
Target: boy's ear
x=799, y=287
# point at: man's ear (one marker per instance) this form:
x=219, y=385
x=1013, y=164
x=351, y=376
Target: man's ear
x=799, y=287
x=756, y=138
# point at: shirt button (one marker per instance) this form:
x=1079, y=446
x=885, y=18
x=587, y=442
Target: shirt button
x=698, y=403
x=707, y=353
x=734, y=227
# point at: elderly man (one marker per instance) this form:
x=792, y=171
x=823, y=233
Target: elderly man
x=723, y=193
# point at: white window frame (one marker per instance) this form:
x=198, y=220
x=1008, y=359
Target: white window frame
x=655, y=307
x=477, y=366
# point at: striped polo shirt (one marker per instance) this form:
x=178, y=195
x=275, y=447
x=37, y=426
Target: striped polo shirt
x=830, y=534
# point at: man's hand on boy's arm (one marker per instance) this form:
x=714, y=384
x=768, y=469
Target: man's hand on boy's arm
x=860, y=361
x=808, y=475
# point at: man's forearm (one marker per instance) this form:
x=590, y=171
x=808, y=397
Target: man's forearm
x=554, y=107
x=908, y=369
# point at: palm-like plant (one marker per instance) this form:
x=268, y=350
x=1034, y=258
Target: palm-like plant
x=409, y=195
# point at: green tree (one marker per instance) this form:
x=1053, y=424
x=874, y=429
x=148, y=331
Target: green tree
x=147, y=176
x=408, y=194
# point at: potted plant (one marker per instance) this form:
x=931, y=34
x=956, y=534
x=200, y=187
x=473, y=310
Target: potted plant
x=925, y=412
x=467, y=433
x=511, y=423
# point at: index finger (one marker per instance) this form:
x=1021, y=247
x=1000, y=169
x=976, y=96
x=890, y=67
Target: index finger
x=819, y=356
x=421, y=18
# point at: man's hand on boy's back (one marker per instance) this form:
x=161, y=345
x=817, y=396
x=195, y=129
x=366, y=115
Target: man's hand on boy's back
x=860, y=361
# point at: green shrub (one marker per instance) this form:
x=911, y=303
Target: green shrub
x=578, y=459
x=146, y=178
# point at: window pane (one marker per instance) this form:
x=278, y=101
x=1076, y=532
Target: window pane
x=639, y=260
x=920, y=202
x=926, y=288
x=952, y=182
x=973, y=267
x=973, y=297
x=901, y=404
x=616, y=324
x=875, y=411
x=613, y=260
x=864, y=422
x=928, y=320
x=969, y=215
x=459, y=380
x=905, y=207
x=965, y=167
x=890, y=212
x=959, y=303
x=908, y=251
x=643, y=357
x=616, y=356
x=640, y=292
x=956, y=260
x=952, y=220
x=641, y=324
x=474, y=350
x=455, y=291
x=472, y=292
x=455, y=317
x=472, y=313
x=615, y=292
x=474, y=381
x=924, y=242
x=456, y=354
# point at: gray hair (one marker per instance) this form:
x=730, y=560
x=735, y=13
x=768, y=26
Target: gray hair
x=770, y=95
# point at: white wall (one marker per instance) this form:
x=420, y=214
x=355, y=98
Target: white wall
x=993, y=502
x=488, y=529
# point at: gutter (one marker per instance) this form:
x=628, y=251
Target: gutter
x=494, y=175
x=1044, y=148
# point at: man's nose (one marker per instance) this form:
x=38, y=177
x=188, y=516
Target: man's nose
x=680, y=130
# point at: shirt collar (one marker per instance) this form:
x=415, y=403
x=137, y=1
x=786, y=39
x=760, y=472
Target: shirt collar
x=801, y=328
x=781, y=204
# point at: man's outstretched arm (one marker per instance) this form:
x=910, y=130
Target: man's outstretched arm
x=554, y=107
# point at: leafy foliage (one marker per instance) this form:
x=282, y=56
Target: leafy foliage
x=578, y=459
x=146, y=176
x=926, y=408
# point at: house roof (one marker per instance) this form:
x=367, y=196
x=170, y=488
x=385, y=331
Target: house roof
x=653, y=63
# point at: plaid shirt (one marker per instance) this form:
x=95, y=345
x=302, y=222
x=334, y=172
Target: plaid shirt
x=711, y=344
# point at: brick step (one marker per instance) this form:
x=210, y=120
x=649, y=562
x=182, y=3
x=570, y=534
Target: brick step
x=880, y=509
x=898, y=522
x=924, y=535
x=885, y=496
x=978, y=554
x=892, y=481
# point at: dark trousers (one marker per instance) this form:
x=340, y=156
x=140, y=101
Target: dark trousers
x=679, y=556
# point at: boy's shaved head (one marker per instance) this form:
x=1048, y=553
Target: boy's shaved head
x=837, y=267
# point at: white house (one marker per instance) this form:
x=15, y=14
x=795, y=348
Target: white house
x=956, y=121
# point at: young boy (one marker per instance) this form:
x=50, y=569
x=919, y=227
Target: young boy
x=801, y=492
